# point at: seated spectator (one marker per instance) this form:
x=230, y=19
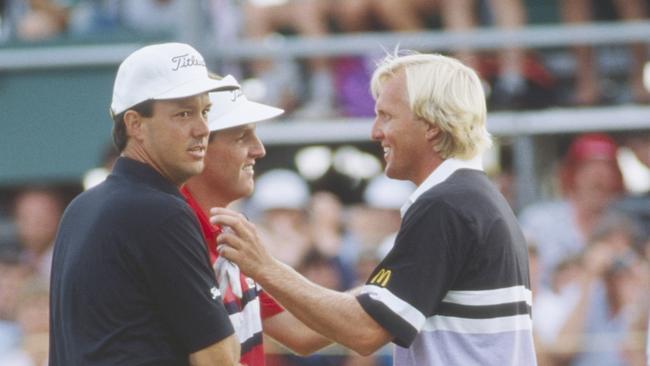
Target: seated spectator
x=460, y=15
x=154, y=16
x=595, y=301
x=37, y=212
x=12, y=276
x=590, y=180
x=588, y=90
x=93, y=17
x=513, y=73
x=352, y=73
x=309, y=19
x=32, y=317
x=613, y=291
x=37, y=20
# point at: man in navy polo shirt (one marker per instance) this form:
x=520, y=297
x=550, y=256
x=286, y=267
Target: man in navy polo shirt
x=454, y=289
x=131, y=279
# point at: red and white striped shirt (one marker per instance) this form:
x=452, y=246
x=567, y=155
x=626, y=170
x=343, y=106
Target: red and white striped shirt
x=246, y=313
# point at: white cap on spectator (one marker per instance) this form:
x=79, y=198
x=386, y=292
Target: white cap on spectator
x=163, y=71
x=383, y=192
x=279, y=189
x=232, y=108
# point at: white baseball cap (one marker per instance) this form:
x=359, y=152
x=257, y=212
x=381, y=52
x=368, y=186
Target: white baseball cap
x=163, y=71
x=280, y=189
x=232, y=108
x=387, y=193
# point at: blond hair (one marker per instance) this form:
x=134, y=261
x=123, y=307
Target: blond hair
x=445, y=93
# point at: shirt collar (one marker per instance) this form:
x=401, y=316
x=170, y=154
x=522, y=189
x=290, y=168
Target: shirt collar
x=143, y=173
x=210, y=230
x=440, y=174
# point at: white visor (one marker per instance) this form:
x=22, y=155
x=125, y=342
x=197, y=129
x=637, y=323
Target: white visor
x=232, y=108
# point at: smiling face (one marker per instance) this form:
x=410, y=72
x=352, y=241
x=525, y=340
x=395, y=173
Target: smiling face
x=174, y=139
x=403, y=136
x=230, y=161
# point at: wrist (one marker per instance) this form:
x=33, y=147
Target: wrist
x=268, y=272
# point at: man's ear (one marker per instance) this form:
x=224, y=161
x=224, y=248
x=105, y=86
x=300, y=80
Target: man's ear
x=134, y=124
x=431, y=131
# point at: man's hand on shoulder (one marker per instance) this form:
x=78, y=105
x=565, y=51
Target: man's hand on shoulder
x=240, y=243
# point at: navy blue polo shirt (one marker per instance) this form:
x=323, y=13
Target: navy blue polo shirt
x=131, y=278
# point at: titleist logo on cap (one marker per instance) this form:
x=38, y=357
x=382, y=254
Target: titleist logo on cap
x=186, y=60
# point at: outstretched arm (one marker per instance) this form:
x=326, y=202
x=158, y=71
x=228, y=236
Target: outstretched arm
x=286, y=329
x=337, y=316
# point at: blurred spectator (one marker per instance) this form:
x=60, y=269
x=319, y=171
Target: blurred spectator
x=279, y=203
x=321, y=270
x=37, y=20
x=594, y=301
x=154, y=16
x=460, y=15
x=98, y=174
x=552, y=306
x=612, y=292
x=12, y=277
x=4, y=20
x=372, y=15
x=91, y=17
x=37, y=212
x=543, y=354
x=352, y=73
x=518, y=80
x=309, y=19
x=590, y=179
x=32, y=317
x=375, y=221
x=326, y=223
x=588, y=90
x=326, y=233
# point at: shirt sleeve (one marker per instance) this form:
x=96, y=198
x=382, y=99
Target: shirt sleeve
x=268, y=306
x=409, y=284
x=183, y=283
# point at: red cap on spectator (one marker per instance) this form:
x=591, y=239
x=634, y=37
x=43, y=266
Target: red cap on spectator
x=595, y=146
x=592, y=146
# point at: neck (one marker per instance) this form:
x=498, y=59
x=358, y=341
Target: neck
x=205, y=195
x=428, y=167
x=138, y=153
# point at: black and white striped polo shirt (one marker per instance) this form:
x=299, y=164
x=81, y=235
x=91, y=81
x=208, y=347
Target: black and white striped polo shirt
x=454, y=290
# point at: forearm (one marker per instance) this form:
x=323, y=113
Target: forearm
x=289, y=331
x=337, y=316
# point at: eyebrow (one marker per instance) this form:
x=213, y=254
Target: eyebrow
x=187, y=103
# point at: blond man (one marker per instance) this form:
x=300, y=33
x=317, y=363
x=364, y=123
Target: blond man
x=454, y=290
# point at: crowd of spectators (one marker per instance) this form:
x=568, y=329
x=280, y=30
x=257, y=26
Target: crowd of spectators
x=323, y=87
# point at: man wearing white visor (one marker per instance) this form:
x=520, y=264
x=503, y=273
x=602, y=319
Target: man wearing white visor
x=233, y=148
x=131, y=280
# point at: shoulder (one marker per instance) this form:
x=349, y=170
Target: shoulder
x=127, y=203
x=462, y=193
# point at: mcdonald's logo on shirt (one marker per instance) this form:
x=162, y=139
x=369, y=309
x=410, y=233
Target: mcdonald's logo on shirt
x=381, y=278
